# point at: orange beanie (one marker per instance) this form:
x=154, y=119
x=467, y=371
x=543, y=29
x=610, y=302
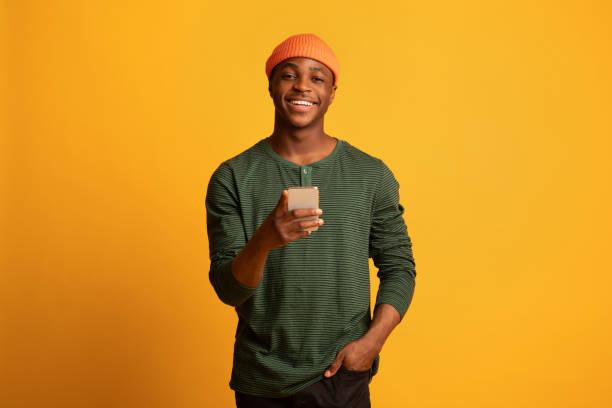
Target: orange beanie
x=304, y=45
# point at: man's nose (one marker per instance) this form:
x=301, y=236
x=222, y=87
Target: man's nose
x=302, y=84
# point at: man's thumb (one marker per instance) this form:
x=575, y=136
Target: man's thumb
x=282, y=202
x=334, y=366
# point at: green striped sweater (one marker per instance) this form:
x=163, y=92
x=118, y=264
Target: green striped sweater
x=314, y=296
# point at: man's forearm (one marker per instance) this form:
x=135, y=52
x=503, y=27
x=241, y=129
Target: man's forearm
x=248, y=265
x=386, y=317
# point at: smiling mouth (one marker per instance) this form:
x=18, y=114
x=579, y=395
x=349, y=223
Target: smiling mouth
x=300, y=102
x=300, y=106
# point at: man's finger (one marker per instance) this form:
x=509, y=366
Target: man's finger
x=281, y=207
x=335, y=365
x=302, y=213
x=299, y=226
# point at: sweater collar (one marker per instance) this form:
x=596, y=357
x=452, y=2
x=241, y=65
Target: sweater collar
x=279, y=158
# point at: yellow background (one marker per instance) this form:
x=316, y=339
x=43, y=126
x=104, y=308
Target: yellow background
x=495, y=117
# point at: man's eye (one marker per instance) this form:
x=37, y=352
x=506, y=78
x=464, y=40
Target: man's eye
x=287, y=75
x=318, y=79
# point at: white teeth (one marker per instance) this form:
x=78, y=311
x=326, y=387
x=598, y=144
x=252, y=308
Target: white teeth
x=301, y=103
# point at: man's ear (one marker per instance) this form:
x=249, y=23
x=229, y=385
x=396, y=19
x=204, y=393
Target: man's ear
x=333, y=93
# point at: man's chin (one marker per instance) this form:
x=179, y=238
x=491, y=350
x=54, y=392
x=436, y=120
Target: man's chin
x=298, y=121
x=302, y=125
x=302, y=122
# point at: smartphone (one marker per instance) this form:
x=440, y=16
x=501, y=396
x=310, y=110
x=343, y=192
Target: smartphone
x=304, y=197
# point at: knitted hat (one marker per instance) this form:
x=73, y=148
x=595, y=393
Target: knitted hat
x=304, y=45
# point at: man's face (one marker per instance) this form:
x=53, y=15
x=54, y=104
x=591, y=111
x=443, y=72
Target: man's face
x=301, y=79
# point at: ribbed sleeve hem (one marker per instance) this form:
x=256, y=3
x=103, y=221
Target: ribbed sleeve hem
x=400, y=300
x=231, y=291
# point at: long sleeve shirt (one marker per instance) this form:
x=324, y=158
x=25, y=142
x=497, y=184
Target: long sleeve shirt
x=314, y=296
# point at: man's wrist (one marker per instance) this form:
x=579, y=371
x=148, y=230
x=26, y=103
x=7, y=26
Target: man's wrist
x=374, y=340
x=247, y=266
x=386, y=317
x=258, y=242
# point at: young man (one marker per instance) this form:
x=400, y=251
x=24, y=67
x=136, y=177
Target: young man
x=305, y=334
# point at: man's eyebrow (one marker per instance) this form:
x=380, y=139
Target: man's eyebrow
x=292, y=65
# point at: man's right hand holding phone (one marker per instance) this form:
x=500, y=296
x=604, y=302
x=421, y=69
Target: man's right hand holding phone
x=278, y=229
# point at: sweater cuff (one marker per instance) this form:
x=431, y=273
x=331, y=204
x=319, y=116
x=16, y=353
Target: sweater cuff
x=233, y=292
x=400, y=301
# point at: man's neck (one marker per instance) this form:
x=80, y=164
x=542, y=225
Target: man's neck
x=302, y=146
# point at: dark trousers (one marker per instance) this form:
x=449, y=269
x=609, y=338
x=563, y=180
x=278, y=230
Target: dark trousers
x=346, y=389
